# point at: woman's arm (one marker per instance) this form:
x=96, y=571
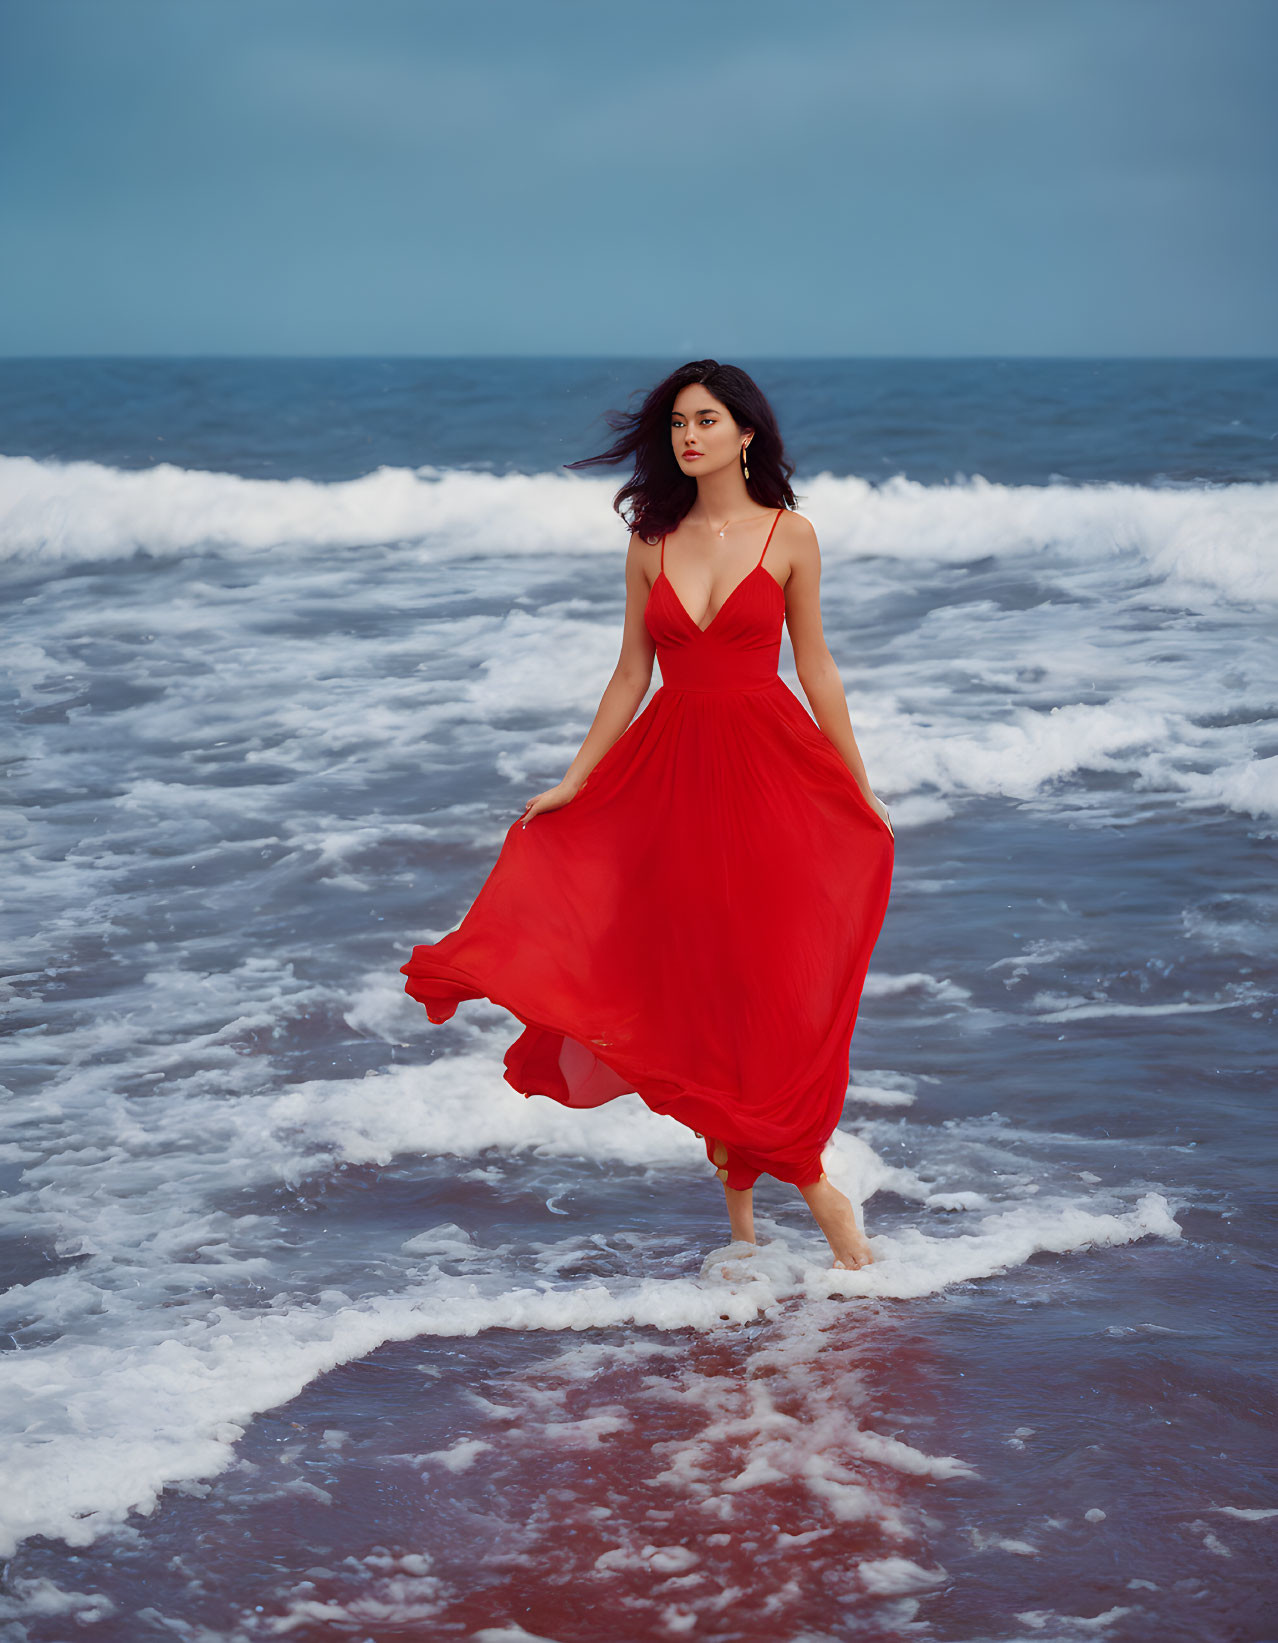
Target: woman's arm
x=622, y=695
x=813, y=662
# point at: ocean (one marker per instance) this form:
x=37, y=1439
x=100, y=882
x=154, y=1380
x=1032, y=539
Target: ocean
x=315, y=1329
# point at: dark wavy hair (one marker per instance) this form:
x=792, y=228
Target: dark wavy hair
x=659, y=493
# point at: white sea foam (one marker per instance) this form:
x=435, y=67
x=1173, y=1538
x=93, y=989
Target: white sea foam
x=38, y=1599
x=883, y=1089
x=508, y=1634
x=971, y=700
x=1200, y=542
x=115, y=1420
x=890, y=1575
x=942, y=991
x=1054, y=1007
x=207, y=740
x=110, y=1426
x=983, y=1541
x=1068, y=1627
x=165, y=1396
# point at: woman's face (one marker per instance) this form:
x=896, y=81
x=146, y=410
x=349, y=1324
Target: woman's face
x=703, y=433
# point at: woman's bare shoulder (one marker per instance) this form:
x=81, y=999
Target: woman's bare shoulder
x=796, y=535
x=642, y=548
x=643, y=558
x=795, y=524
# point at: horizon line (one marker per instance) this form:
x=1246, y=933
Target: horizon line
x=1149, y=358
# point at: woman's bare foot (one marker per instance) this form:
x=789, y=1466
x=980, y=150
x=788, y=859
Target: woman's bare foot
x=860, y=1255
x=835, y=1216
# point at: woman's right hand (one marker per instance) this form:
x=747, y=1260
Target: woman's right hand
x=554, y=798
x=881, y=811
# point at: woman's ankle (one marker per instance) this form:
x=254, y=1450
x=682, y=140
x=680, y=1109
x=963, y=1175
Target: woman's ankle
x=740, y=1207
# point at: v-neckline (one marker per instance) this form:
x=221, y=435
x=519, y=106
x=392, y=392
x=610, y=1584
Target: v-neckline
x=725, y=603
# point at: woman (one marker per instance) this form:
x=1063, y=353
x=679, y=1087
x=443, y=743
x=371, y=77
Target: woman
x=690, y=912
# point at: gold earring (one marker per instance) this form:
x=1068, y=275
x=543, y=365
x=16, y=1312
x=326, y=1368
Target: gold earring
x=744, y=464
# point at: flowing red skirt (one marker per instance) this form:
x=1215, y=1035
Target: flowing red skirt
x=695, y=926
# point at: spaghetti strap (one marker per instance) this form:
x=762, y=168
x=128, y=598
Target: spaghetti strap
x=779, y=512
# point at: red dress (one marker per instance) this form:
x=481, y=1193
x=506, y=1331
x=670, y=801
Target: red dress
x=696, y=923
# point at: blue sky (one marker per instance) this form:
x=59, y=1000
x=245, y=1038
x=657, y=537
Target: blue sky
x=821, y=177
